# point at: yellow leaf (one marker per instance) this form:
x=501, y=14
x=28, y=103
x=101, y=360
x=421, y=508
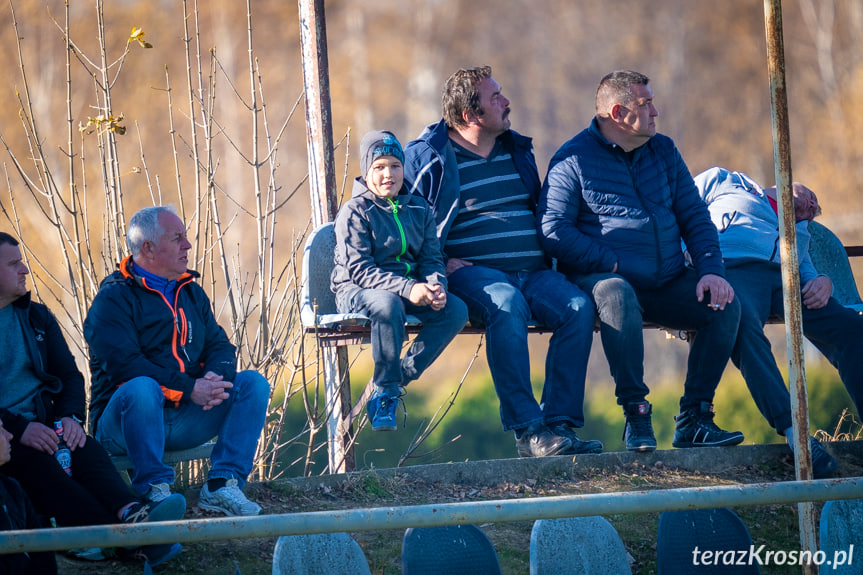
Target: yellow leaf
x=137, y=35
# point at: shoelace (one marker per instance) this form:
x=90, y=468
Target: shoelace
x=640, y=424
x=398, y=399
x=706, y=421
x=138, y=515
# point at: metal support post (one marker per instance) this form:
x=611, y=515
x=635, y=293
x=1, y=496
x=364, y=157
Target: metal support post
x=322, y=186
x=790, y=267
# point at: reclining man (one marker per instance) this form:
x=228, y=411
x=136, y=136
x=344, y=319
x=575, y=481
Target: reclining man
x=746, y=216
x=40, y=385
x=164, y=373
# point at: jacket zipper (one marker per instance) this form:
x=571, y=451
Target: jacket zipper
x=178, y=338
x=404, y=249
x=654, y=224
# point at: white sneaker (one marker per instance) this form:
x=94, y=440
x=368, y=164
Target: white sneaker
x=229, y=500
x=158, y=492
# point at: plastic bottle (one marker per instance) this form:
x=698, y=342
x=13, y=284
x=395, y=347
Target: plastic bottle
x=63, y=455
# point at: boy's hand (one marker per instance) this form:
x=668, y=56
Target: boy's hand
x=426, y=294
x=439, y=300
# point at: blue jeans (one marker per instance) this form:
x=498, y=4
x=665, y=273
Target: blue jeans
x=504, y=303
x=834, y=329
x=136, y=422
x=622, y=308
x=387, y=312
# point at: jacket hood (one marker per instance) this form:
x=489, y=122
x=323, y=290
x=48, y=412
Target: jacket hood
x=436, y=136
x=125, y=273
x=361, y=190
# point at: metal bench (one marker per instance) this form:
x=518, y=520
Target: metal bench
x=186, y=462
x=334, y=331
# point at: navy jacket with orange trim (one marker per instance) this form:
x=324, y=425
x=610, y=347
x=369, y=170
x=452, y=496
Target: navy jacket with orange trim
x=133, y=331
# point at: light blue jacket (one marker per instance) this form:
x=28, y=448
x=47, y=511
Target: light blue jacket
x=748, y=227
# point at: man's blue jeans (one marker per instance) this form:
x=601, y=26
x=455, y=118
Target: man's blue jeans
x=504, y=303
x=834, y=329
x=136, y=422
x=387, y=312
x=622, y=308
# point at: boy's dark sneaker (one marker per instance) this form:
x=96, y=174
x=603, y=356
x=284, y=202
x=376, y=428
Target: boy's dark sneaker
x=695, y=428
x=578, y=445
x=638, y=431
x=539, y=441
x=381, y=409
x=171, y=508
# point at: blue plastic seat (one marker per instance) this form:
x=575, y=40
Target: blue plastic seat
x=713, y=530
x=319, y=554
x=450, y=550
x=841, y=534
x=583, y=545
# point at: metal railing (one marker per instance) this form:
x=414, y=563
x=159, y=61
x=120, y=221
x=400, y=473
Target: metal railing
x=372, y=519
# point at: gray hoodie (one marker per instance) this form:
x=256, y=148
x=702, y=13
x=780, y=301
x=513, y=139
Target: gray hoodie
x=387, y=244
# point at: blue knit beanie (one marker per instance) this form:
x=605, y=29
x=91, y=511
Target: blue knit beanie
x=378, y=143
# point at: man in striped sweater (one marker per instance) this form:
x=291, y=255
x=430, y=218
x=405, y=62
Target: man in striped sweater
x=481, y=180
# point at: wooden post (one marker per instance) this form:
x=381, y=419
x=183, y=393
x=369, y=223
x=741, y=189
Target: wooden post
x=790, y=268
x=322, y=186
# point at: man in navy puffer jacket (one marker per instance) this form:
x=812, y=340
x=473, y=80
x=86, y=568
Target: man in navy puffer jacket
x=615, y=205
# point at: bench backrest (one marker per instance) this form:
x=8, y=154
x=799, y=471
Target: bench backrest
x=317, y=268
x=829, y=258
x=318, y=303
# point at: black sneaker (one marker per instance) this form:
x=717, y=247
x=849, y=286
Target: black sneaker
x=695, y=428
x=638, y=431
x=538, y=441
x=578, y=445
x=823, y=464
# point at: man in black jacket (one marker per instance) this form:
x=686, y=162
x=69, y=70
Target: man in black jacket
x=164, y=372
x=40, y=385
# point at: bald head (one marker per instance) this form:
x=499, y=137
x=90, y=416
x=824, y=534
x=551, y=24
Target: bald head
x=805, y=202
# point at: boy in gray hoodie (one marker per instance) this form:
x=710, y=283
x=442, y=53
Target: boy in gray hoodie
x=388, y=265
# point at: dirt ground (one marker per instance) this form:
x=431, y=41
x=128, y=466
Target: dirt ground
x=774, y=525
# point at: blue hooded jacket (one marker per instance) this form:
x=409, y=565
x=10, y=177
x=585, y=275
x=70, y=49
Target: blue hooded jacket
x=431, y=170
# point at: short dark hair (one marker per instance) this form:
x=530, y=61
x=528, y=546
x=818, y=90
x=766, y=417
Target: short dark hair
x=461, y=93
x=6, y=239
x=617, y=86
